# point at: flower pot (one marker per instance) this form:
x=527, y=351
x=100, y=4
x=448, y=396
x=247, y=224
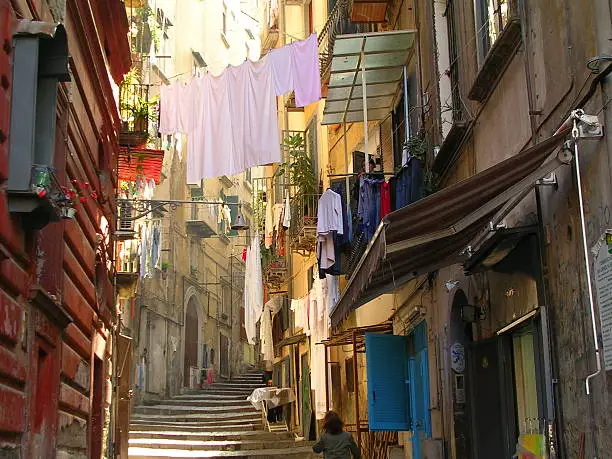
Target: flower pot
x=164, y=275
x=68, y=212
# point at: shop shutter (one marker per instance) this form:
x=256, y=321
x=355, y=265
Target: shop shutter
x=387, y=370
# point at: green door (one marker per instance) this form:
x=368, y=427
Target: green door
x=306, y=405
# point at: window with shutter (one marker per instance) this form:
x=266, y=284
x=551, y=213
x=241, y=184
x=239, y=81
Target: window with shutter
x=387, y=370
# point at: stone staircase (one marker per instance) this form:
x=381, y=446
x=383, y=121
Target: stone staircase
x=215, y=422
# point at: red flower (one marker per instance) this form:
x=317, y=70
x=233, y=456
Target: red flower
x=93, y=194
x=83, y=199
x=86, y=184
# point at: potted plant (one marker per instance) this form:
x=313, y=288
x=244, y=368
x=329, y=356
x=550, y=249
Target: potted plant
x=78, y=193
x=300, y=166
x=140, y=111
x=164, y=269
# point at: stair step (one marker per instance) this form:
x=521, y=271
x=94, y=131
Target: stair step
x=238, y=403
x=197, y=428
x=251, y=417
x=208, y=436
x=202, y=395
x=212, y=445
x=301, y=452
x=178, y=409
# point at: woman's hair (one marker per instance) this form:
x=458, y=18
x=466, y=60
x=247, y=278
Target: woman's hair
x=332, y=423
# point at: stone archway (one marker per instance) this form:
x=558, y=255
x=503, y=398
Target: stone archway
x=191, y=350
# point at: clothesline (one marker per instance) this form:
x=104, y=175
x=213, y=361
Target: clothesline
x=231, y=119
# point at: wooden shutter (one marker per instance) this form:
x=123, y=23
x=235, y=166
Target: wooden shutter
x=419, y=378
x=387, y=370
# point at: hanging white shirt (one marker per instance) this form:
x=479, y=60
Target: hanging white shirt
x=287, y=214
x=329, y=213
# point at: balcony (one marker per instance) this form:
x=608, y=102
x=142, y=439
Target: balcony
x=275, y=272
x=270, y=34
x=201, y=220
x=137, y=113
x=127, y=266
x=303, y=230
x=339, y=22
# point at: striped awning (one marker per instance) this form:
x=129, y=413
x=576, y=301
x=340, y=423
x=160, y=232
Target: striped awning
x=435, y=231
x=140, y=163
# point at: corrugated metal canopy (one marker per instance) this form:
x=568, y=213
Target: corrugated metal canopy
x=383, y=55
x=433, y=232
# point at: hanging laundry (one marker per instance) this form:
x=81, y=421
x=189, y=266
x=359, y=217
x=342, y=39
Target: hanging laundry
x=305, y=63
x=156, y=246
x=253, y=289
x=319, y=319
x=278, y=214
x=269, y=224
x=385, y=199
x=227, y=217
x=265, y=335
x=287, y=214
x=231, y=119
x=300, y=313
x=409, y=184
x=329, y=213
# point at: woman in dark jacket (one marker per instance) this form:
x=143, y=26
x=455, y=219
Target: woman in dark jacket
x=334, y=442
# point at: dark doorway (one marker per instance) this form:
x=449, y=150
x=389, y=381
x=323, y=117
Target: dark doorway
x=43, y=408
x=224, y=355
x=492, y=405
x=191, y=340
x=97, y=409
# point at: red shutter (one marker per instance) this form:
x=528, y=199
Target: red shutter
x=6, y=80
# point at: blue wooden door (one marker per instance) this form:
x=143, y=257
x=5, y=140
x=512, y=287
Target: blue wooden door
x=387, y=370
x=419, y=390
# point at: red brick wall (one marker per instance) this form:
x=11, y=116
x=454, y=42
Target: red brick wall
x=46, y=371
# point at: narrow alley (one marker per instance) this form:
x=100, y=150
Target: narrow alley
x=216, y=422
x=298, y=229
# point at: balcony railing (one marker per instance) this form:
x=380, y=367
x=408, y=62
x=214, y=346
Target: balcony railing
x=338, y=23
x=270, y=34
x=303, y=230
x=137, y=112
x=202, y=220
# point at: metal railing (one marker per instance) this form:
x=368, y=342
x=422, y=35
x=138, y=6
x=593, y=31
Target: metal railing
x=135, y=108
x=303, y=212
x=338, y=23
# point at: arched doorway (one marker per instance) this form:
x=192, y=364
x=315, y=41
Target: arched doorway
x=192, y=332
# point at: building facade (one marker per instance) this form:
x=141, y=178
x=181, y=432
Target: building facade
x=182, y=300
x=61, y=64
x=475, y=296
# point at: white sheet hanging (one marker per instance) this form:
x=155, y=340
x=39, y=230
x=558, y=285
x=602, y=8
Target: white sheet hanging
x=253, y=290
x=231, y=119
